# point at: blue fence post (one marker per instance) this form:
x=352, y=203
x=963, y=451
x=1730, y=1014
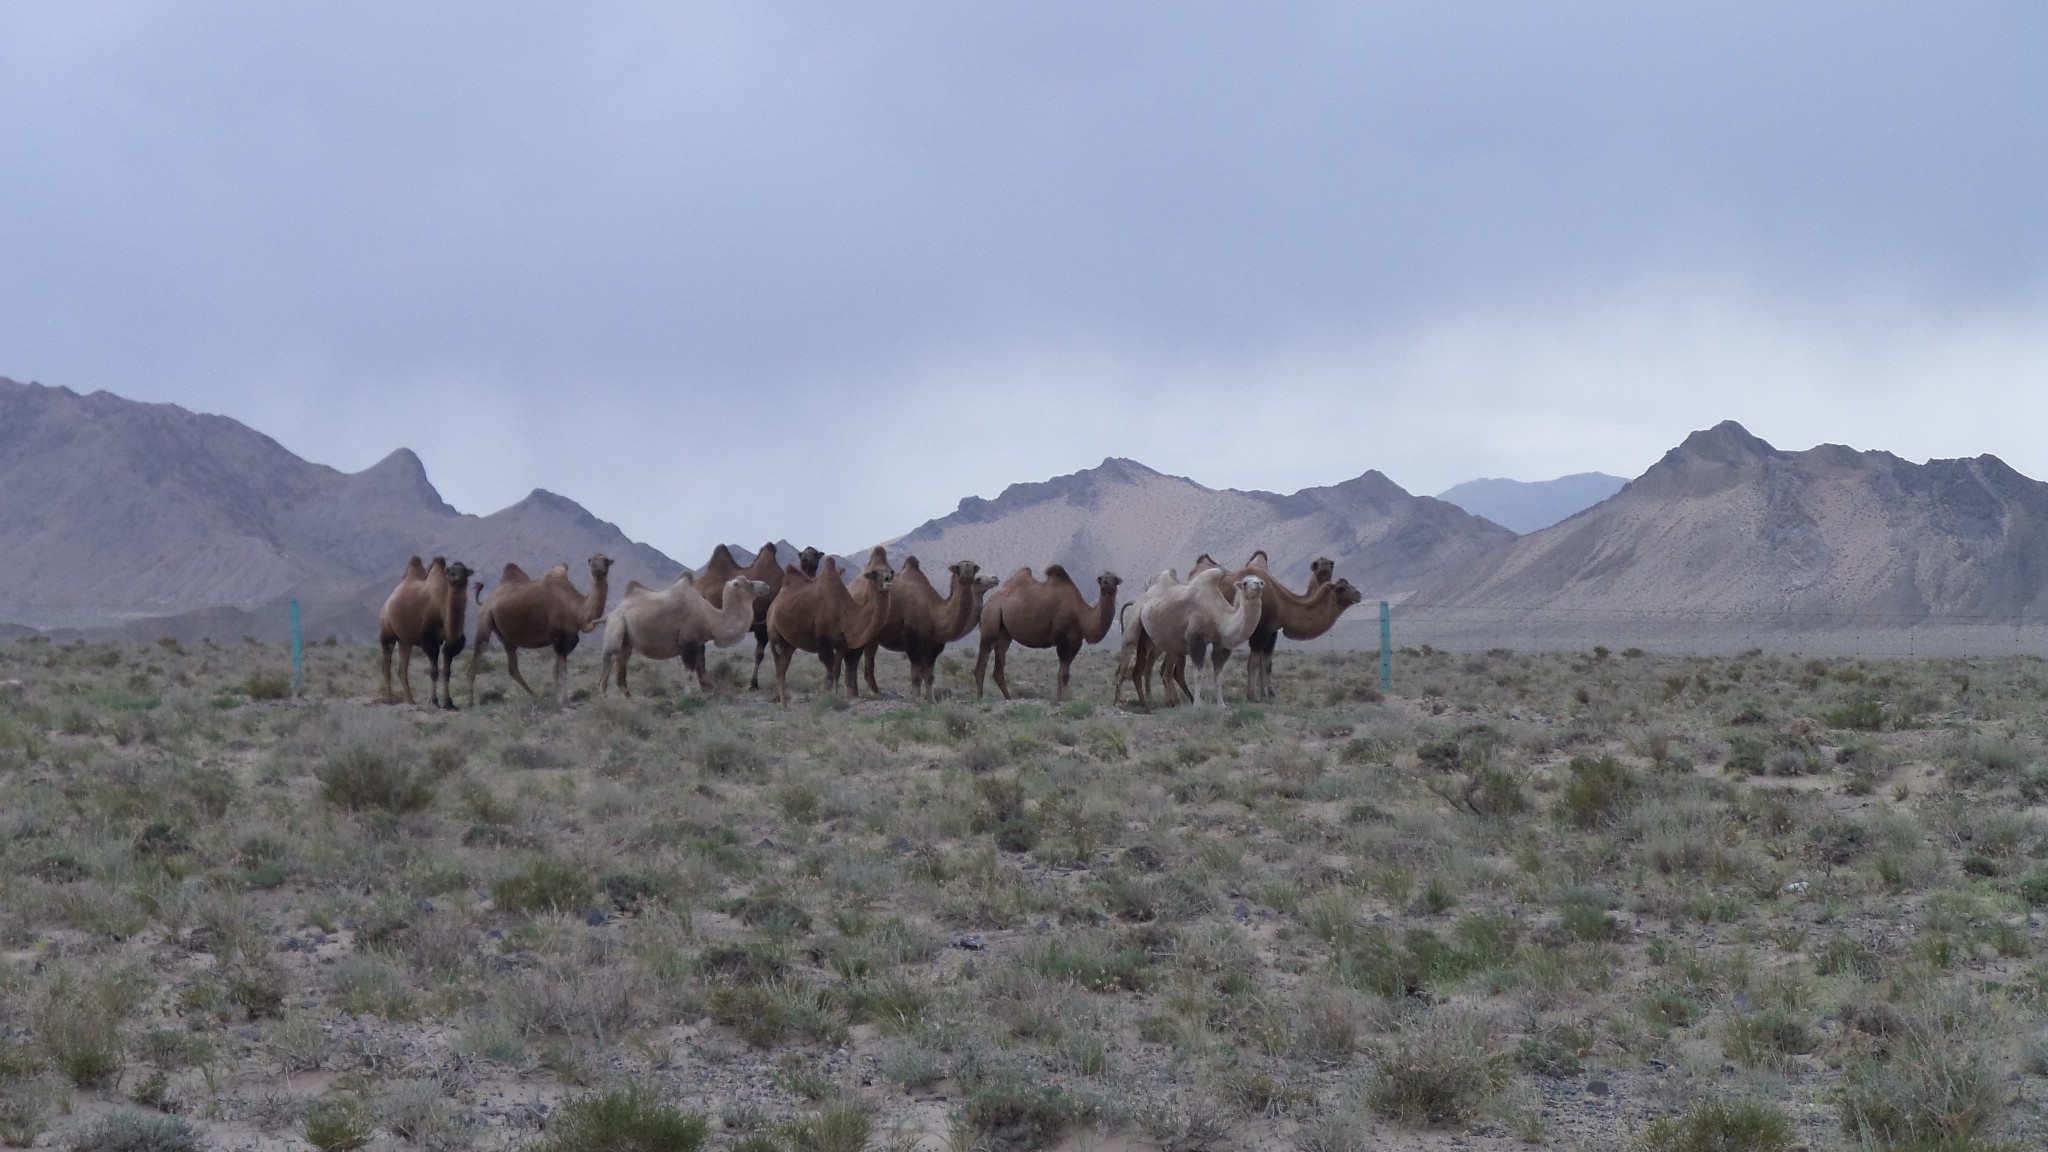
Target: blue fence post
x=298, y=660
x=1386, y=648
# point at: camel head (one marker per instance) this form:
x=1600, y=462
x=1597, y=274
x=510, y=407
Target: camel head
x=1251, y=586
x=599, y=565
x=758, y=587
x=985, y=584
x=458, y=575
x=1348, y=593
x=1108, y=582
x=883, y=578
x=808, y=560
x=965, y=571
x=1321, y=569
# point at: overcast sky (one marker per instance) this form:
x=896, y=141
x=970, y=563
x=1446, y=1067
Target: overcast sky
x=741, y=271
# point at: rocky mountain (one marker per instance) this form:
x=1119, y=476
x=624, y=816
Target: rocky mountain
x=114, y=511
x=1128, y=519
x=1728, y=534
x=1527, y=506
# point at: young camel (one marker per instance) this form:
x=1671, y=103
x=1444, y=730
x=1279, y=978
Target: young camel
x=921, y=622
x=1046, y=613
x=676, y=621
x=1300, y=616
x=426, y=611
x=818, y=614
x=710, y=582
x=1197, y=621
x=544, y=613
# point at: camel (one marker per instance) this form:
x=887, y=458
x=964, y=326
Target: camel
x=1135, y=655
x=710, y=583
x=426, y=611
x=1300, y=616
x=921, y=623
x=818, y=614
x=544, y=613
x=1197, y=621
x=676, y=621
x=1046, y=613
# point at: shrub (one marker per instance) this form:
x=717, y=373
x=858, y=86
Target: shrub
x=362, y=775
x=841, y=1128
x=1599, y=789
x=84, y=1042
x=1008, y=1116
x=21, y=1113
x=624, y=1120
x=267, y=686
x=1937, y=1086
x=729, y=756
x=1718, y=1127
x=137, y=1132
x=545, y=884
x=1440, y=1074
x=337, y=1125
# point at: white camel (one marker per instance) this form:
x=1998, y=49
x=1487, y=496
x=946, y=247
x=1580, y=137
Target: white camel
x=676, y=621
x=1135, y=655
x=1197, y=621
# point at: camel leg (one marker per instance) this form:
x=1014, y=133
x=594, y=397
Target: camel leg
x=433, y=652
x=623, y=689
x=988, y=644
x=782, y=654
x=1063, y=689
x=562, y=671
x=867, y=667
x=405, y=670
x=1198, y=654
x=1141, y=672
x=851, y=659
x=1174, y=673
x=387, y=643
x=512, y=668
x=760, y=650
x=476, y=654
x=1003, y=664
x=1217, y=659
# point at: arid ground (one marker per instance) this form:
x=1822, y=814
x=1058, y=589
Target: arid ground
x=1606, y=900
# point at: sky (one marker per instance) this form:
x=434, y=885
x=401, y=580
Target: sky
x=817, y=271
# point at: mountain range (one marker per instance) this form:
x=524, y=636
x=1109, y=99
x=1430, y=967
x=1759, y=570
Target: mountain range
x=143, y=520
x=1525, y=506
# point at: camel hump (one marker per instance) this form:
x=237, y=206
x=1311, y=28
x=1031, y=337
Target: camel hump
x=1258, y=560
x=1205, y=561
x=514, y=574
x=910, y=564
x=722, y=555
x=558, y=572
x=1057, y=574
x=1021, y=576
x=634, y=586
x=414, y=570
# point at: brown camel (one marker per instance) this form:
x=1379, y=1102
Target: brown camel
x=921, y=622
x=710, y=584
x=544, y=613
x=1301, y=615
x=426, y=611
x=1046, y=613
x=818, y=614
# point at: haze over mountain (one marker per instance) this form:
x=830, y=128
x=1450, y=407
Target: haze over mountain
x=1126, y=518
x=1526, y=506
x=113, y=510
x=1729, y=534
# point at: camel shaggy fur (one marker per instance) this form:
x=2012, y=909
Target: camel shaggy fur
x=676, y=621
x=545, y=613
x=1197, y=621
x=818, y=614
x=1135, y=654
x=921, y=622
x=710, y=582
x=426, y=611
x=1301, y=615
x=1048, y=613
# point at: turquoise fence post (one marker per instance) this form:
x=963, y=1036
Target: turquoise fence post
x=298, y=659
x=1386, y=648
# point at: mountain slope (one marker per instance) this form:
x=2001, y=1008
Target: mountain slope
x=113, y=510
x=1530, y=506
x=1128, y=519
x=1727, y=530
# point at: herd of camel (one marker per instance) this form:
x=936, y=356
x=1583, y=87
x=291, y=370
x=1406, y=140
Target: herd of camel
x=810, y=606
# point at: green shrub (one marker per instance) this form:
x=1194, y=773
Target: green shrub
x=840, y=1128
x=1718, y=1127
x=1009, y=1116
x=362, y=775
x=1091, y=966
x=1440, y=1074
x=267, y=686
x=137, y=1132
x=545, y=884
x=84, y=1042
x=1937, y=1086
x=337, y=1125
x=623, y=1120
x=1599, y=789
x=2034, y=888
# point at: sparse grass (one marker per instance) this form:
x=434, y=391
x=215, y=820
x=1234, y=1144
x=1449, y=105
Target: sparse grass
x=1334, y=919
x=623, y=1120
